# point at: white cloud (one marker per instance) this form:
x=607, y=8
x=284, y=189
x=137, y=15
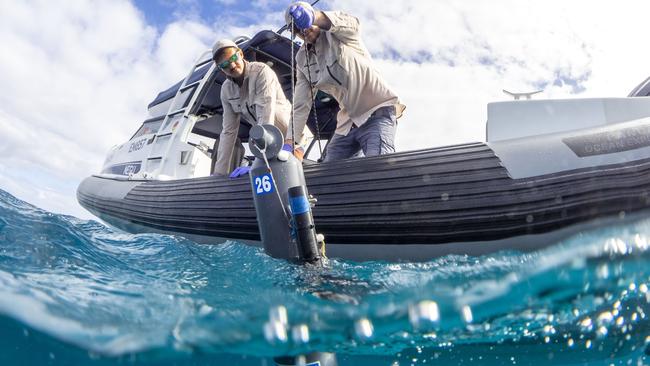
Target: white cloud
x=77, y=77
x=448, y=59
x=78, y=74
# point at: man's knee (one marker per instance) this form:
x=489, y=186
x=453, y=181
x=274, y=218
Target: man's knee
x=341, y=147
x=282, y=126
x=379, y=145
x=380, y=137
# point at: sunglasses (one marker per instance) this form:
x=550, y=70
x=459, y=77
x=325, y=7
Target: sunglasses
x=225, y=64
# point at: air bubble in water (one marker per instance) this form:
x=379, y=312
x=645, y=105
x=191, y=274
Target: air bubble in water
x=363, y=328
x=424, y=315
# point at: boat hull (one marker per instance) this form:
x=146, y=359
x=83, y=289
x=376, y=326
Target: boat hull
x=406, y=206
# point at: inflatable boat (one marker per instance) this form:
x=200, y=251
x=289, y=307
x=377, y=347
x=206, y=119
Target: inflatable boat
x=548, y=168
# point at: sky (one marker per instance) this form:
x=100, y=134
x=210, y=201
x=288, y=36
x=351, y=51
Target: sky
x=77, y=75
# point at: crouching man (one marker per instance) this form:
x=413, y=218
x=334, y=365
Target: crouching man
x=251, y=89
x=334, y=59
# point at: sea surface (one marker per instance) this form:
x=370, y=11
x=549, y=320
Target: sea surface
x=74, y=292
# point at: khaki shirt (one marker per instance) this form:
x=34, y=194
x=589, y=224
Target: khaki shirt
x=341, y=66
x=260, y=99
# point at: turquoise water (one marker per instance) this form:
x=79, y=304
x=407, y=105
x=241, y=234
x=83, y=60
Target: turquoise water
x=76, y=292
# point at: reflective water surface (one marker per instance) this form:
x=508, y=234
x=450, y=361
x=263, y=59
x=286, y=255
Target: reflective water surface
x=76, y=292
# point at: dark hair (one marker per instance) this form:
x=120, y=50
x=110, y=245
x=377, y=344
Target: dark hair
x=220, y=52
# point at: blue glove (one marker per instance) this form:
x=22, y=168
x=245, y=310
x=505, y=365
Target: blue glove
x=241, y=171
x=303, y=17
x=286, y=147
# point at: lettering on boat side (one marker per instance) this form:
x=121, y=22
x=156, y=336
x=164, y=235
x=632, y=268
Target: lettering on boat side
x=130, y=169
x=137, y=145
x=124, y=168
x=609, y=142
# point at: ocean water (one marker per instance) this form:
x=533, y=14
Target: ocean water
x=74, y=292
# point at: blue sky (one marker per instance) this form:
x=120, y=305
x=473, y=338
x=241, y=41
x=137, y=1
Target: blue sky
x=81, y=73
x=162, y=12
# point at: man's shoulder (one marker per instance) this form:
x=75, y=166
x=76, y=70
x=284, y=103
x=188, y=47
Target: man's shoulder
x=261, y=71
x=256, y=66
x=340, y=17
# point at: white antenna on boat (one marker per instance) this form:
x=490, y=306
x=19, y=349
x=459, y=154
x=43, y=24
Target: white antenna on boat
x=518, y=96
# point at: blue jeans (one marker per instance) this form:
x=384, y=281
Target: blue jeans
x=375, y=137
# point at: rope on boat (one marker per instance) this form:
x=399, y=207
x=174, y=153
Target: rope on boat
x=293, y=89
x=311, y=89
x=313, y=101
x=293, y=114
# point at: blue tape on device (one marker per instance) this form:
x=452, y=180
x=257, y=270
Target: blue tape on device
x=299, y=205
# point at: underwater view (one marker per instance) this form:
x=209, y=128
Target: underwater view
x=76, y=292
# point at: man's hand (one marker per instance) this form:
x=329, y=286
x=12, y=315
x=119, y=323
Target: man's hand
x=240, y=171
x=303, y=17
x=298, y=151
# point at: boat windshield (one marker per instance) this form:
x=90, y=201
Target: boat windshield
x=148, y=127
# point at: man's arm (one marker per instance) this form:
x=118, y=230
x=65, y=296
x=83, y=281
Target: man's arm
x=227, y=137
x=302, y=106
x=322, y=21
x=343, y=26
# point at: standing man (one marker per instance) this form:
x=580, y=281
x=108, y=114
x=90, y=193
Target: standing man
x=251, y=89
x=334, y=59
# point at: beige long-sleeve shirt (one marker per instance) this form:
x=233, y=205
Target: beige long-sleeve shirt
x=339, y=64
x=260, y=99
